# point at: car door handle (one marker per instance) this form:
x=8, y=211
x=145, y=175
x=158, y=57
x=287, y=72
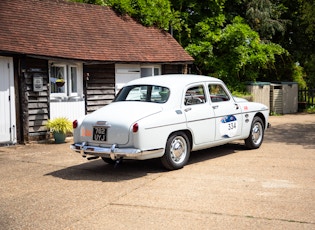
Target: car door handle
x=187, y=109
x=236, y=106
x=215, y=106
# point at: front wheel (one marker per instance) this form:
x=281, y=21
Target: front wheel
x=177, y=151
x=256, y=135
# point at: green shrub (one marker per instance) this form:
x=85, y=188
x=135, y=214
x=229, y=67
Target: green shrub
x=311, y=109
x=60, y=125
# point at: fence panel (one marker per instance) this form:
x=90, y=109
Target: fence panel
x=307, y=96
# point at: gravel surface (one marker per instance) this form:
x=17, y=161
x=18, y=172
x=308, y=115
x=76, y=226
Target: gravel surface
x=47, y=186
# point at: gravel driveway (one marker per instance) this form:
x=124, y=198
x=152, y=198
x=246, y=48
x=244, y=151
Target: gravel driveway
x=47, y=186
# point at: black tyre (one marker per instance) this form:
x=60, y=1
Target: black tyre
x=177, y=151
x=256, y=135
x=108, y=160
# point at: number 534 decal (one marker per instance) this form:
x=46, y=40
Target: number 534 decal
x=228, y=126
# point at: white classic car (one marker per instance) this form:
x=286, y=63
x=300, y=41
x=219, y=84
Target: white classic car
x=168, y=117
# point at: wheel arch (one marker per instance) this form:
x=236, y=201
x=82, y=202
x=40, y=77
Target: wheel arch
x=262, y=117
x=188, y=134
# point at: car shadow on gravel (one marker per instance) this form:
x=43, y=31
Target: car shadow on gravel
x=292, y=134
x=97, y=170
x=215, y=152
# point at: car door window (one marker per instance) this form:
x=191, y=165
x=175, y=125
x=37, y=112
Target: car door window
x=195, y=95
x=217, y=93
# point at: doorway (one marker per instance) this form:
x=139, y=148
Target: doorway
x=7, y=104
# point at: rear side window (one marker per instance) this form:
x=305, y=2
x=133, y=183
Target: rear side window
x=217, y=93
x=195, y=95
x=145, y=93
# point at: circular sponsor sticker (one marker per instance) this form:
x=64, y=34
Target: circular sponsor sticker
x=228, y=126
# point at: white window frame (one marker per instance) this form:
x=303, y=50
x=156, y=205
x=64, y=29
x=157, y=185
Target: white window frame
x=68, y=82
x=63, y=94
x=70, y=93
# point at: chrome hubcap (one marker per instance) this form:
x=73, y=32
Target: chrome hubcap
x=257, y=133
x=178, y=149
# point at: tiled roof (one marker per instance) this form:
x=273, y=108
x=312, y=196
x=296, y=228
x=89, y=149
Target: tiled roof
x=55, y=28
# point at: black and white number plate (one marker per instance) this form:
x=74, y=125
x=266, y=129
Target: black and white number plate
x=99, y=133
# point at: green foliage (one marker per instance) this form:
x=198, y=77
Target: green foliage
x=264, y=17
x=188, y=13
x=60, y=125
x=299, y=38
x=309, y=67
x=150, y=13
x=298, y=75
x=272, y=113
x=234, y=53
x=236, y=40
x=307, y=15
x=311, y=109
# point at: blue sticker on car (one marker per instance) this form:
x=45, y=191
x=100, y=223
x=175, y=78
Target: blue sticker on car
x=228, y=126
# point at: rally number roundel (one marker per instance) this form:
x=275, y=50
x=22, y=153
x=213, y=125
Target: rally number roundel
x=228, y=126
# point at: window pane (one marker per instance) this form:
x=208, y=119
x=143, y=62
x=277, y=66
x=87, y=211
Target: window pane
x=156, y=71
x=217, y=93
x=137, y=93
x=57, y=79
x=74, y=84
x=159, y=94
x=146, y=72
x=195, y=95
x=146, y=93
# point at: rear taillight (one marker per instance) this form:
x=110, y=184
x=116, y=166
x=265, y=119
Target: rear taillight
x=75, y=124
x=135, y=128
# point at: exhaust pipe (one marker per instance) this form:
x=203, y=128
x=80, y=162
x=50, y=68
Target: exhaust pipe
x=92, y=158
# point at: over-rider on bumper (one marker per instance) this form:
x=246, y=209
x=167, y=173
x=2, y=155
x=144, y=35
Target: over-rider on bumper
x=115, y=153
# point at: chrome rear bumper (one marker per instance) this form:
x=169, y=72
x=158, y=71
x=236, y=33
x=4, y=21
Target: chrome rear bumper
x=116, y=153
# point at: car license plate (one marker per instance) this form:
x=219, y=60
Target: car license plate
x=99, y=133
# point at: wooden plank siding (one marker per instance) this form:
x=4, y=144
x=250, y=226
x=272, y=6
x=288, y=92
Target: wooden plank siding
x=35, y=105
x=173, y=69
x=99, y=85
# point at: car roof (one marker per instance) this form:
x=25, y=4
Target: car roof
x=171, y=80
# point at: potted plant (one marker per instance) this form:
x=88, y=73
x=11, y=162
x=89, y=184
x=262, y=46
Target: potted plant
x=59, y=126
x=60, y=82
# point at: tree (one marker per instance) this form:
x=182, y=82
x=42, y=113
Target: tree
x=234, y=53
x=308, y=17
x=188, y=13
x=236, y=40
x=308, y=22
x=299, y=38
x=149, y=13
x=264, y=17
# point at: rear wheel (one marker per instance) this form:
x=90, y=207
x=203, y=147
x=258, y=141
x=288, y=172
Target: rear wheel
x=256, y=135
x=177, y=151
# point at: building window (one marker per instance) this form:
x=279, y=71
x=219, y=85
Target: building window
x=147, y=71
x=65, y=80
x=58, y=79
